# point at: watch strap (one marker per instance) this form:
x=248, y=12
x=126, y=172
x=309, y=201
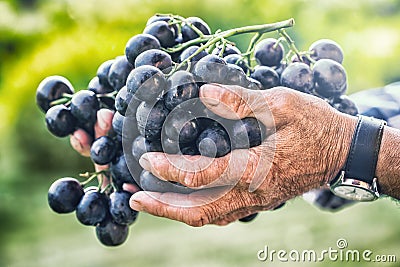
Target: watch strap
x=364, y=149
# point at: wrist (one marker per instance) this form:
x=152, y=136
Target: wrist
x=340, y=141
x=388, y=164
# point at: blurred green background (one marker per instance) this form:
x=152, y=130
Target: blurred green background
x=71, y=38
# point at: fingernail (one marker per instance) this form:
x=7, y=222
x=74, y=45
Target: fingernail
x=145, y=163
x=76, y=144
x=130, y=188
x=211, y=94
x=102, y=123
x=135, y=202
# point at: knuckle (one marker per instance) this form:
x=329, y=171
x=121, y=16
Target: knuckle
x=235, y=98
x=284, y=97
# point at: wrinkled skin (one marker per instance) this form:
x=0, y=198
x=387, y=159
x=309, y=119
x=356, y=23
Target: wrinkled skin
x=307, y=145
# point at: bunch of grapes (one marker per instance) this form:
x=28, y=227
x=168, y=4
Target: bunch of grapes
x=154, y=90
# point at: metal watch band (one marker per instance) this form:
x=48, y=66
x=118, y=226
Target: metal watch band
x=364, y=149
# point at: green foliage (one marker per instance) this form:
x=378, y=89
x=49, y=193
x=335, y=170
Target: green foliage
x=72, y=37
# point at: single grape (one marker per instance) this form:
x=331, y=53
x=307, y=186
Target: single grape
x=298, y=76
x=188, y=33
x=101, y=91
x=118, y=123
x=228, y=49
x=146, y=83
x=168, y=19
x=237, y=60
x=123, y=100
x=156, y=58
x=183, y=87
x=120, y=210
x=118, y=72
x=268, y=52
x=234, y=75
x=249, y=218
x=190, y=51
x=169, y=146
x=213, y=142
x=93, y=208
x=59, y=121
x=150, y=119
x=330, y=78
x=181, y=125
x=149, y=182
x=140, y=146
x=102, y=72
x=50, y=89
x=344, y=104
x=121, y=173
x=326, y=48
x=138, y=44
x=267, y=76
x=96, y=87
x=103, y=150
x=163, y=32
x=111, y=234
x=210, y=68
x=253, y=84
x=84, y=107
x=64, y=195
x=247, y=132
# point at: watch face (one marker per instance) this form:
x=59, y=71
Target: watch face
x=354, y=193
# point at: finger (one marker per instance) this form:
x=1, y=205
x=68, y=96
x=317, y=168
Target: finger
x=235, y=102
x=157, y=204
x=221, y=222
x=104, y=122
x=200, y=171
x=194, y=209
x=80, y=141
x=130, y=188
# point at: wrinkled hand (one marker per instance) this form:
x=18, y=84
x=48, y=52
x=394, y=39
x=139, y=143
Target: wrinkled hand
x=306, y=145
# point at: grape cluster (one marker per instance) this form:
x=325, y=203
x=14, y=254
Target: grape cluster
x=154, y=90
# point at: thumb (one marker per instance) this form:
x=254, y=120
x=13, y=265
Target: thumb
x=235, y=102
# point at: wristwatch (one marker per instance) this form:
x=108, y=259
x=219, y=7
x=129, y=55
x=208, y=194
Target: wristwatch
x=357, y=180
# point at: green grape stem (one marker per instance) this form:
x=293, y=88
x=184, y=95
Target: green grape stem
x=63, y=100
x=250, y=48
x=220, y=36
x=263, y=28
x=110, y=95
x=91, y=176
x=290, y=43
x=106, y=188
